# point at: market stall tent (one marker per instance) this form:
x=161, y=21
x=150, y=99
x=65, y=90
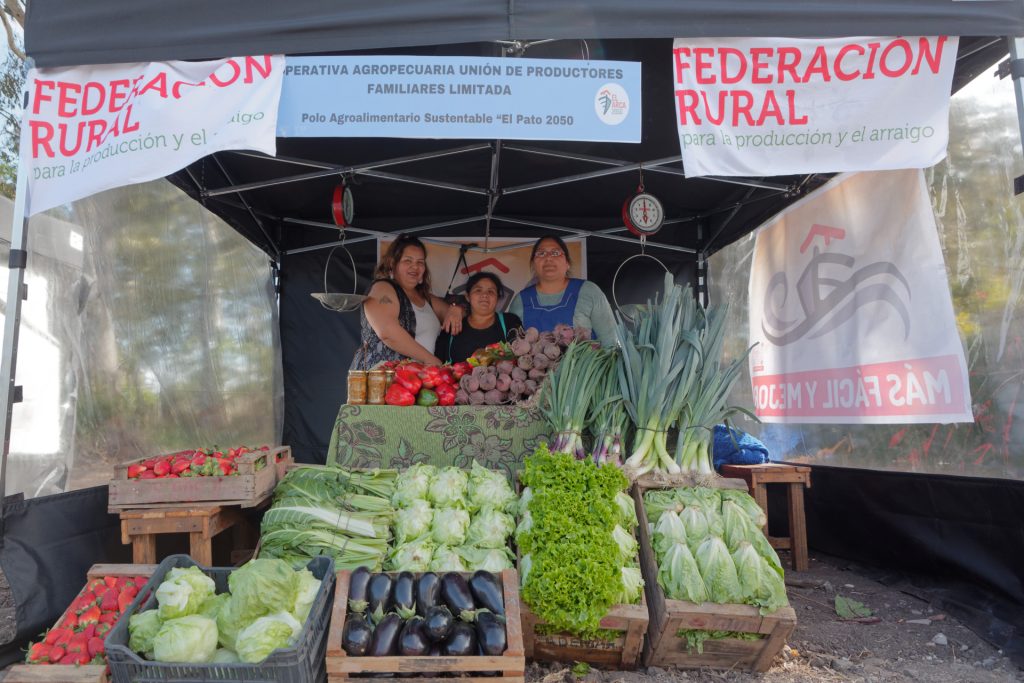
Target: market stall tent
x=282, y=204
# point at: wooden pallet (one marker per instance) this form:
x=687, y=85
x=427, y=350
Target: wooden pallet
x=510, y=666
x=621, y=652
x=248, y=488
x=664, y=647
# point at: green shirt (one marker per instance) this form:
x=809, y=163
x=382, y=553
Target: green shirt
x=592, y=311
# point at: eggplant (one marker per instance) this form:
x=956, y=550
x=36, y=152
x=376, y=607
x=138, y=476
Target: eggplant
x=357, y=590
x=456, y=594
x=413, y=641
x=356, y=636
x=487, y=592
x=403, y=595
x=385, y=636
x=438, y=623
x=427, y=590
x=461, y=641
x=379, y=591
x=490, y=633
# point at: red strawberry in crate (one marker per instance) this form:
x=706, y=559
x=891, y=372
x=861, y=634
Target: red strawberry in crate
x=38, y=653
x=51, y=636
x=89, y=631
x=63, y=636
x=148, y=474
x=102, y=629
x=57, y=653
x=108, y=602
x=162, y=468
x=95, y=647
x=135, y=470
x=89, y=616
x=123, y=600
x=70, y=621
x=110, y=618
x=110, y=581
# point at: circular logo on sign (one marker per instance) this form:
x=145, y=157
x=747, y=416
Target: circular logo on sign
x=611, y=104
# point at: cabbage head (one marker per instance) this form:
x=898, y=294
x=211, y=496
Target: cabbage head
x=142, y=628
x=414, y=556
x=739, y=528
x=488, y=559
x=224, y=656
x=747, y=502
x=696, y=525
x=261, y=587
x=212, y=606
x=266, y=634
x=229, y=622
x=191, y=639
x=490, y=489
x=632, y=586
x=305, y=595
x=448, y=489
x=413, y=484
x=183, y=591
x=413, y=522
x=447, y=559
x=668, y=531
x=718, y=571
x=450, y=526
x=490, y=529
x=679, y=576
x=760, y=585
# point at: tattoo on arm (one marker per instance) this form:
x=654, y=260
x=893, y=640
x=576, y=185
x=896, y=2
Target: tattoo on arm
x=386, y=299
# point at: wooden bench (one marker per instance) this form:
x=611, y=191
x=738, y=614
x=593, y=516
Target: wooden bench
x=796, y=478
x=140, y=527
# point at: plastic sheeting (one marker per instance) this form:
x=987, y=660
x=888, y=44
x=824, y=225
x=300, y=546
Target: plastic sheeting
x=150, y=326
x=981, y=228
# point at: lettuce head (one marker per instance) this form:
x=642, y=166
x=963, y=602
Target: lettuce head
x=448, y=489
x=183, y=591
x=191, y=639
x=257, y=640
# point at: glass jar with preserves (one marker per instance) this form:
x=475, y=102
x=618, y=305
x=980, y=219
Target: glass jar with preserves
x=376, y=386
x=357, y=387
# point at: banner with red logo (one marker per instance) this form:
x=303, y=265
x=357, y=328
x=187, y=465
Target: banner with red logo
x=92, y=128
x=850, y=309
x=780, y=106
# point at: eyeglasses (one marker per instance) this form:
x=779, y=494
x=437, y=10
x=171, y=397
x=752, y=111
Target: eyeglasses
x=553, y=253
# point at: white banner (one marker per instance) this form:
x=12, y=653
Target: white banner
x=92, y=128
x=851, y=312
x=779, y=106
x=508, y=258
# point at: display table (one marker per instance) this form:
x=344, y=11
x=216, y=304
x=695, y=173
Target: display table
x=497, y=437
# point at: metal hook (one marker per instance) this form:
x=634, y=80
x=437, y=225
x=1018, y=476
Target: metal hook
x=641, y=187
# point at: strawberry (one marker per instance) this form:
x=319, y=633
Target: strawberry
x=89, y=616
x=109, y=601
x=225, y=466
x=51, y=636
x=135, y=470
x=90, y=631
x=56, y=653
x=110, y=618
x=161, y=468
x=173, y=476
x=103, y=629
x=95, y=647
x=75, y=658
x=63, y=637
x=70, y=621
x=123, y=600
x=39, y=652
x=121, y=582
x=109, y=580
x=148, y=474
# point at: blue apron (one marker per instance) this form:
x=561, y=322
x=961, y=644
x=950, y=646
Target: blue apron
x=544, y=318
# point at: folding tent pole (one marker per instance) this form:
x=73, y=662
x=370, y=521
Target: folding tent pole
x=12, y=321
x=1016, y=46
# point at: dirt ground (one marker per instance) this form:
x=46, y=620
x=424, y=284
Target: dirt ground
x=910, y=641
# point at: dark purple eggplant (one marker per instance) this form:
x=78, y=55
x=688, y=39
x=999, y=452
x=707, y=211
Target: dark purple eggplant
x=487, y=592
x=378, y=594
x=357, y=590
x=404, y=595
x=428, y=588
x=461, y=642
x=490, y=633
x=356, y=636
x=456, y=594
x=438, y=623
x=385, y=636
x=414, y=642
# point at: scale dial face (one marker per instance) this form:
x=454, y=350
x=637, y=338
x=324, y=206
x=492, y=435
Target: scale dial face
x=643, y=214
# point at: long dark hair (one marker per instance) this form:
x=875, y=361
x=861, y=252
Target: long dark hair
x=386, y=268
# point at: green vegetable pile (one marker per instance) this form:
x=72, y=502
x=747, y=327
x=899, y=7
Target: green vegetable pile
x=579, y=555
x=451, y=520
x=710, y=548
x=265, y=609
x=330, y=511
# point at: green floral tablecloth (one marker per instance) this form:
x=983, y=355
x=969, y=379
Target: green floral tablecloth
x=498, y=437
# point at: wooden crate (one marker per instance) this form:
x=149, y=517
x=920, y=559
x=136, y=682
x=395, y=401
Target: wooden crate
x=510, y=666
x=621, y=652
x=90, y=673
x=665, y=648
x=248, y=488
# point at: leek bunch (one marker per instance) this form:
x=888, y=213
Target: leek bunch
x=608, y=418
x=567, y=394
x=670, y=377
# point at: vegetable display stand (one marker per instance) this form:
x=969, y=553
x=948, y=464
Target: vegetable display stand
x=795, y=478
x=510, y=666
x=763, y=636
x=619, y=652
x=141, y=527
x=302, y=663
x=258, y=474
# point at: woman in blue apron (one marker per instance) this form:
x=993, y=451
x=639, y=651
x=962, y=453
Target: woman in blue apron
x=557, y=298
x=483, y=325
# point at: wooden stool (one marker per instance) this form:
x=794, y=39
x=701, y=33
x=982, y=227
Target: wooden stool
x=141, y=526
x=797, y=477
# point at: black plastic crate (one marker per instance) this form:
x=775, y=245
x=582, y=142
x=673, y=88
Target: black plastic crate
x=303, y=663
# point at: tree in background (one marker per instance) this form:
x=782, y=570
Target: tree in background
x=12, y=78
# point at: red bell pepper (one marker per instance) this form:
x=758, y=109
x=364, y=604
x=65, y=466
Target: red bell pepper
x=432, y=376
x=398, y=395
x=447, y=377
x=461, y=368
x=408, y=379
x=445, y=395
x=415, y=366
